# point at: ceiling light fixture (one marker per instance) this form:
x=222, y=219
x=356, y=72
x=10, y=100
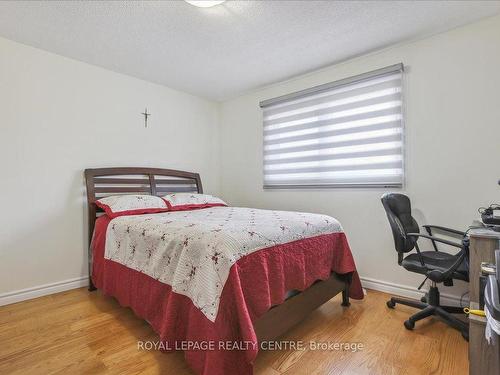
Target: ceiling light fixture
x=204, y=3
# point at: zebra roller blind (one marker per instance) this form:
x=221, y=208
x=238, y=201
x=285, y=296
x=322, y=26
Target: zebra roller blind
x=345, y=133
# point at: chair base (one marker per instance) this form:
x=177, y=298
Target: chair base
x=432, y=308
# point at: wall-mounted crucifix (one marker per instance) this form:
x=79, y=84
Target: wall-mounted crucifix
x=146, y=115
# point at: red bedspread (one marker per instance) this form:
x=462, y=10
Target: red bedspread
x=255, y=283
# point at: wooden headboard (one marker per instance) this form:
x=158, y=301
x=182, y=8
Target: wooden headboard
x=103, y=182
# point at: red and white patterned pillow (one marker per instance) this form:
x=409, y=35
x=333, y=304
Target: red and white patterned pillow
x=191, y=201
x=120, y=205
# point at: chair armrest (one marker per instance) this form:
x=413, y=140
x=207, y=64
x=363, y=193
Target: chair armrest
x=437, y=275
x=454, y=244
x=444, y=229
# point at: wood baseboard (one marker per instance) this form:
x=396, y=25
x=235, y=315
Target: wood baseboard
x=368, y=283
x=409, y=291
x=42, y=290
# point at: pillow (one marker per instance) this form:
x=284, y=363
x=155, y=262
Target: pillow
x=120, y=205
x=191, y=201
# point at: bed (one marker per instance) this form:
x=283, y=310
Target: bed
x=264, y=293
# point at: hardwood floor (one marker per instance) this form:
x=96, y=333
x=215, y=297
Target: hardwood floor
x=78, y=332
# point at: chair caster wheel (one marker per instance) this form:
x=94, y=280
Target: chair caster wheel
x=409, y=324
x=390, y=304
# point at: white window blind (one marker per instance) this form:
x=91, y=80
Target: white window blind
x=344, y=133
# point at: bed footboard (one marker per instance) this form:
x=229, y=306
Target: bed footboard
x=282, y=318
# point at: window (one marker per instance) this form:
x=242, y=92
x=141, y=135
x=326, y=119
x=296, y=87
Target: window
x=345, y=133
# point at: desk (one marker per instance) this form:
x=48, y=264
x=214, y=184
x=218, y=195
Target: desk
x=483, y=358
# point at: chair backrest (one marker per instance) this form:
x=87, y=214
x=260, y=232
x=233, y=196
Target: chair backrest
x=398, y=210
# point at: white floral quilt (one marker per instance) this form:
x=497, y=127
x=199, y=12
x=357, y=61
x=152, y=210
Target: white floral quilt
x=193, y=251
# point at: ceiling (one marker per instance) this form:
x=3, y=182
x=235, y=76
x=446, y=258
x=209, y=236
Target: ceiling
x=224, y=51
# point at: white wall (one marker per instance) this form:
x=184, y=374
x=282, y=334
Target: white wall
x=58, y=117
x=453, y=144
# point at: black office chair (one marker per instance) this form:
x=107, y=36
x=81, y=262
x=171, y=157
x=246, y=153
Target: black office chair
x=438, y=266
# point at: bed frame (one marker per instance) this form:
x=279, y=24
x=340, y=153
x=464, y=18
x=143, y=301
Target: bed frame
x=102, y=182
